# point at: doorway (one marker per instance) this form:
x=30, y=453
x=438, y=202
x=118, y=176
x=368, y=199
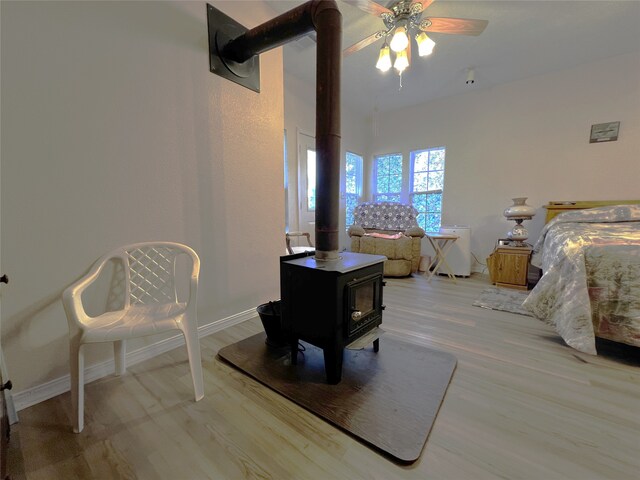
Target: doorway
x=307, y=184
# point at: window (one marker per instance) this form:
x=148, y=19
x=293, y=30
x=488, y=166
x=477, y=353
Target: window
x=311, y=180
x=427, y=184
x=388, y=178
x=286, y=182
x=353, y=184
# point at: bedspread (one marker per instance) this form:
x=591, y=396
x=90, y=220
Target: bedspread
x=591, y=281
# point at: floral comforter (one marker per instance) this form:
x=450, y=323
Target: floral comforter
x=591, y=281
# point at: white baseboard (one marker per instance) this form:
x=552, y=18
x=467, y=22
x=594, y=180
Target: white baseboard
x=52, y=388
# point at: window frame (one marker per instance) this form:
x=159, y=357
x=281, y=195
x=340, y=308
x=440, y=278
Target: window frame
x=310, y=180
x=377, y=196
x=413, y=193
x=359, y=180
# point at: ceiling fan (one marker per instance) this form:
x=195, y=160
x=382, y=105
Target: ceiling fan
x=403, y=18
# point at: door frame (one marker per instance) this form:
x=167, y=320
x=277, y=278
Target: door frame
x=305, y=219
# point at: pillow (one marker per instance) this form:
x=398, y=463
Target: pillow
x=394, y=249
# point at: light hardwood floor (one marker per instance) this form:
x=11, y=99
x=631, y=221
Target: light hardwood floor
x=521, y=405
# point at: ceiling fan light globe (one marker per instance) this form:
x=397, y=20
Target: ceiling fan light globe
x=425, y=44
x=384, y=60
x=400, y=41
x=402, y=61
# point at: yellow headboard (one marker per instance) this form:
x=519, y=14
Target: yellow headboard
x=556, y=208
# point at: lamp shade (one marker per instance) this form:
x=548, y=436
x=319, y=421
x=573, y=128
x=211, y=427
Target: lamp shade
x=384, y=60
x=425, y=44
x=519, y=210
x=402, y=61
x=400, y=40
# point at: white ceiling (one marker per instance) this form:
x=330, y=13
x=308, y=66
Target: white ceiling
x=522, y=39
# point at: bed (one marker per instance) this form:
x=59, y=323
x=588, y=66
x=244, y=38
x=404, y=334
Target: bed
x=590, y=287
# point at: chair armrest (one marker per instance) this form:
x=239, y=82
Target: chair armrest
x=356, y=231
x=72, y=295
x=193, y=281
x=414, y=232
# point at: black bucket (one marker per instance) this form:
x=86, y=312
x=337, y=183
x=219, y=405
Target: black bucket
x=272, y=322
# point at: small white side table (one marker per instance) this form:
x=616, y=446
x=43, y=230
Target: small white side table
x=441, y=244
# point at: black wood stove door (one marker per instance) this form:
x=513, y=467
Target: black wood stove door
x=364, y=304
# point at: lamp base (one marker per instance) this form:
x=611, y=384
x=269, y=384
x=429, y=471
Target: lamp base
x=518, y=234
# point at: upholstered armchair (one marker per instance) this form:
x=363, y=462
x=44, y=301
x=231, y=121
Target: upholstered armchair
x=389, y=229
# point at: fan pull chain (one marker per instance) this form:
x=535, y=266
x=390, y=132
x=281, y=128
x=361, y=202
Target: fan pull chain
x=400, y=88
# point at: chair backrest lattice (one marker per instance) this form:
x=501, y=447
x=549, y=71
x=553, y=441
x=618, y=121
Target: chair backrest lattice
x=151, y=274
x=117, y=287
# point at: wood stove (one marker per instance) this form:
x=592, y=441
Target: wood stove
x=333, y=298
x=330, y=304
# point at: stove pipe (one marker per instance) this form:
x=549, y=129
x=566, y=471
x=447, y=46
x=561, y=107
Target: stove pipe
x=324, y=17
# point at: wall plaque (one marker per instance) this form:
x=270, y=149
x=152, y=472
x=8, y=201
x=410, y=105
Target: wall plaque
x=604, y=132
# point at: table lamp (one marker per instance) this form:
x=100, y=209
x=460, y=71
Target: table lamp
x=519, y=212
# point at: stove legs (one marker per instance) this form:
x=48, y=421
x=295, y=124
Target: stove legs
x=294, y=351
x=333, y=357
x=333, y=364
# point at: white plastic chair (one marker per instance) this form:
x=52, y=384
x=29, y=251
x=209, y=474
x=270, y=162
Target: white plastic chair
x=150, y=306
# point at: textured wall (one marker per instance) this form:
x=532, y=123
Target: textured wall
x=528, y=138
x=114, y=131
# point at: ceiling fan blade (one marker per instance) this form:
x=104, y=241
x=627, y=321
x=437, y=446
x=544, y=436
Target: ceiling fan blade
x=365, y=42
x=369, y=6
x=458, y=26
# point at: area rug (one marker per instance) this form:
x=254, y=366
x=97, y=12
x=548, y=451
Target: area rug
x=504, y=299
x=389, y=399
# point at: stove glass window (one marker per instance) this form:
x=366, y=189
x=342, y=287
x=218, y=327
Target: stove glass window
x=365, y=299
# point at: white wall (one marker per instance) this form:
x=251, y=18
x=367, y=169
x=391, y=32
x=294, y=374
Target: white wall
x=114, y=131
x=528, y=138
x=299, y=115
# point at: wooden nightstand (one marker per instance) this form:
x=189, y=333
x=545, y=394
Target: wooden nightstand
x=509, y=266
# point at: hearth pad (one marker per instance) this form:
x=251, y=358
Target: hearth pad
x=388, y=399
